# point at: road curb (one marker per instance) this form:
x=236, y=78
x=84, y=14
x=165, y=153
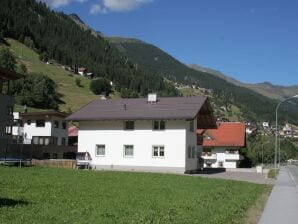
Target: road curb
x=293, y=179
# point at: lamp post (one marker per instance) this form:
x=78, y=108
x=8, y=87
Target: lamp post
x=277, y=131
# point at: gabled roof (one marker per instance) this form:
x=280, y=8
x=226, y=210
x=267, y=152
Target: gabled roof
x=140, y=109
x=227, y=134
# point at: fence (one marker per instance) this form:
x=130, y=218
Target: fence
x=59, y=163
x=11, y=151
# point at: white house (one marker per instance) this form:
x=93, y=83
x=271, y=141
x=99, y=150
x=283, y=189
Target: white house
x=41, y=128
x=143, y=134
x=221, y=146
x=6, y=103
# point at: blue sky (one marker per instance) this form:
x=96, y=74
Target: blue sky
x=251, y=40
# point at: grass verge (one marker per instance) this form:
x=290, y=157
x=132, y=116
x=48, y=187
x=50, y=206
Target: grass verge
x=49, y=195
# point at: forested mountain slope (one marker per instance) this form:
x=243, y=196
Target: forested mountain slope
x=252, y=105
x=56, y=36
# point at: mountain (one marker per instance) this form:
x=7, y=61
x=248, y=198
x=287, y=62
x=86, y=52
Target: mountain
x=266, y=88
x=80, y=22
x=68, y=41
x=226, y=92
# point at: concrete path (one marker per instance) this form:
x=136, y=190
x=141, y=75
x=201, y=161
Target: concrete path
x=252, y=177
x=282, y=205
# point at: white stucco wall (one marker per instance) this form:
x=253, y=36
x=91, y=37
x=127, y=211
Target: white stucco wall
x=48, y=130
x=112, y=135
x=221, y=157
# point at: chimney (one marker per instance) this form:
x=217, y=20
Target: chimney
x=152, y=98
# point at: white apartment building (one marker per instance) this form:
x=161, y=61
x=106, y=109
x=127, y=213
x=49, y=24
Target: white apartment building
x=41, y=128
x=143, y=134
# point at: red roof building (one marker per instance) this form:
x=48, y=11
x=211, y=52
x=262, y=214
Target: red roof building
x=221, y=146
x=230, y=134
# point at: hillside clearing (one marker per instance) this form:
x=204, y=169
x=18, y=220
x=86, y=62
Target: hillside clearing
x=48, y=195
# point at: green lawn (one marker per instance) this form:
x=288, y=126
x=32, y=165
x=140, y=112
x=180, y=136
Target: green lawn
x=48, y=195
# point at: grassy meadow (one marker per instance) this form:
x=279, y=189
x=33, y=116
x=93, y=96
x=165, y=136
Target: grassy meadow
x=49, y=195
x=72, y=96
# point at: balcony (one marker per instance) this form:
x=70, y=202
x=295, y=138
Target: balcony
x=233, y=156
x=209, y=156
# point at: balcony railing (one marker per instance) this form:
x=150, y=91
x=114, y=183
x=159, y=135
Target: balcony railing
x=209, y=155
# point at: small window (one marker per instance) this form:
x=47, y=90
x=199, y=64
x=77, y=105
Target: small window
x=9, y=110
x=63, y=141
x=189, y=151
x=56, y=124
x=40, y=123
x=128, y=151
x=159, y=125
x=100, y=150
x=191, y=126
x=35, y=140
x=129, y=125
x=8, y=129
x=28, y=122
x=63, y=125
x=158, y=151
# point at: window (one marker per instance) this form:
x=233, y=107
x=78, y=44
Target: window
x=46, y=155
x=40, y=123
x=193, y=152
x=8, y=129
x=191, y=126
x=63, y=141
x=100, y=150
x=28, y=122
x=128, y=151
x=9, y=110
x=63, y=125
x=189, y=151
x=55, y=155
x=158, y=151
x=56, y=124
x=129, y=125
x=44, y=140
x=159, y=125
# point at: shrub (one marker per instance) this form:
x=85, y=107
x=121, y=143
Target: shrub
x=100, y=85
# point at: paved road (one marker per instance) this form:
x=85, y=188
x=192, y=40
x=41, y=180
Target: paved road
x=240, y=176
x=282, y=205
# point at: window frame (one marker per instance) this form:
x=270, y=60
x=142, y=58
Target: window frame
x=126, y=126
x=124, y=150
x=159, y=147
x=159, y=126
x=97, y=148
x=64, y=125
x=38, y=125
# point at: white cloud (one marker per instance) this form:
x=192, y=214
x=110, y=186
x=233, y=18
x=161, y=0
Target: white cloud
x=97, y=8
x=123, y=5
x=59, y=3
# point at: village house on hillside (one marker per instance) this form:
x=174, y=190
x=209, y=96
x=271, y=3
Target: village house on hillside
x=6, y=103
x=155, y=134
x=221, y=146
x=41, y=128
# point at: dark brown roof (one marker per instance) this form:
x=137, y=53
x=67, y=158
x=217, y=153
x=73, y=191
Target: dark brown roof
x=9, y=75
x=45, y=113
x=140, y=109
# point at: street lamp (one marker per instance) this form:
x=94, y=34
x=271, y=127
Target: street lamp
x=277, y=131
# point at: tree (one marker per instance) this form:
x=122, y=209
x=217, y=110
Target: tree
x=7, y=59
x=36, y=90
x=22, y=69
x=78, y=82
x=100, y=85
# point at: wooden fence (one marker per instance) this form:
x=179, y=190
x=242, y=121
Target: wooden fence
x=59, y=163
